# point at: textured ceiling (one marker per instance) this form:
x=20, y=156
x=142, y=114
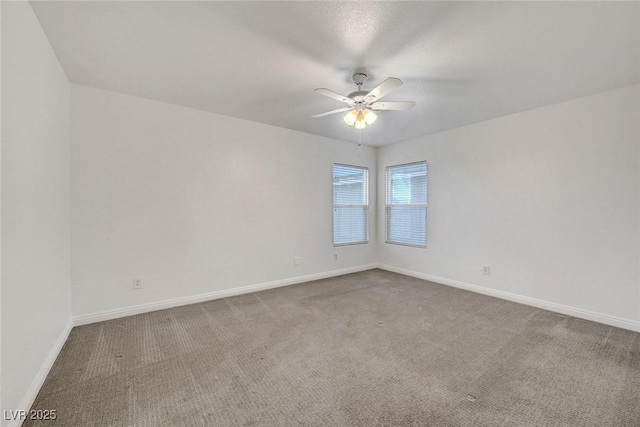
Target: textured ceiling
x=462, y=62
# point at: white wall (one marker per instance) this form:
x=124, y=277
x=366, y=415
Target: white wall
x=36, y=309
x=548, y=198
x=194, y=202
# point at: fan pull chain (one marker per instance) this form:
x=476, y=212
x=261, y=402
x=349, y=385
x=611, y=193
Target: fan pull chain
x=359, y=143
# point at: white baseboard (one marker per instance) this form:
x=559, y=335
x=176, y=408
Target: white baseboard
x=160, y=305
x=545, y=305
x=36, y=384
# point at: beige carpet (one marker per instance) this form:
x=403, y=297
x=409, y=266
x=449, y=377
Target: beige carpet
x=366, y=349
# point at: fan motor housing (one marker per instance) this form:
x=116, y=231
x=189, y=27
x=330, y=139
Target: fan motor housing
x=359, y=95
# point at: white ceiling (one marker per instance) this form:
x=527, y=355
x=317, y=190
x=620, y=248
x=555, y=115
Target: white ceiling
x=462, y=62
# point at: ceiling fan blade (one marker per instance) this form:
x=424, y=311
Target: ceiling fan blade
x=383, y=88
x=339, y=110
x=393, y=105
x=335, y=95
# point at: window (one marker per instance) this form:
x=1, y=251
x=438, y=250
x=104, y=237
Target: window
x=350, y=205
x=406, y=204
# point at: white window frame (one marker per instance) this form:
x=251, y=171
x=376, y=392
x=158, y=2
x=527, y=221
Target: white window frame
x=388, y=205
x=365, y=206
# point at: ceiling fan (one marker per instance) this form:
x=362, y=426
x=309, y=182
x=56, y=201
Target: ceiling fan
x=362, y=104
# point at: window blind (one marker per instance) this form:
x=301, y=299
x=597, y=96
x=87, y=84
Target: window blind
x=350, y=205
x=406, y=204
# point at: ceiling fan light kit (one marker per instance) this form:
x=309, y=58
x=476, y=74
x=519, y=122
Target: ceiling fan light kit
x=360, y=119
x=362, y=103
x=351, y=117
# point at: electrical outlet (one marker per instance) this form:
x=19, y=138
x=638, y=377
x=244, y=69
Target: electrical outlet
x=335, y=256
x=296, y=261
x=486, y=270
x=137, y=283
